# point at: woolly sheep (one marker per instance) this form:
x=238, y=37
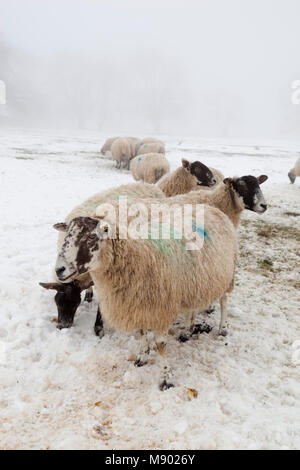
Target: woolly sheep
x=121, y=152
x=231, y=198
x=149, y=167
x=151, y=140
x=295, y=172
x=186, y=178
x=151, y=148
x=68, y=296
x=107, y=145
x=145, y=284
x=135, y=144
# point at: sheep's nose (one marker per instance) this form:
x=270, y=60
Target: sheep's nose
x=59, y=271
x=264, y=206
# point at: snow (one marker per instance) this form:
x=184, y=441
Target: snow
x=69, y=390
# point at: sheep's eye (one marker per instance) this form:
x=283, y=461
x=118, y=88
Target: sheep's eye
x=104, y=228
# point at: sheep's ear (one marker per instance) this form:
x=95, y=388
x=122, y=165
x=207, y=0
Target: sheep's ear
x=53, y=286
x=228, y=181
x=186, y=164
x=61, y=227
x=262, y=179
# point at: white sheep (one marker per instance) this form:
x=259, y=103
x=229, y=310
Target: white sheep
x=68, y=296
x=144, y=284
x=107, y=144
x=187, y=178
x=151, y=140
x=154, y=147
x=121, y=151
x=149, y=167
x=295, y=172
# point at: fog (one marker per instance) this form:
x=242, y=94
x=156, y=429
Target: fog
x=211, y=68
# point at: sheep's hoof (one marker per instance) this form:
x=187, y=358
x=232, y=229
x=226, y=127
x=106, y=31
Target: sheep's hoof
x=99, y=331
x=201, y=328
x=211, y=309
x=223, y=332
x=88, y=297
x=139, y=363
x=165, y=386
x=183, y=338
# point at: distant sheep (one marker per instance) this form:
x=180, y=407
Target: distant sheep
x=121, y=150
x=68, y=296
x=149, y=167
x=135, y=144
x=151, y=148
x=295, y=172
x=187, y=178
x=144, y=284
x=107, y=145
x=151, y=140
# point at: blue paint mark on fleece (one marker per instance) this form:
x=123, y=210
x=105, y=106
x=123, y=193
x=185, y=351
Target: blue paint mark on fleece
x=201, y=231
x=139, y=159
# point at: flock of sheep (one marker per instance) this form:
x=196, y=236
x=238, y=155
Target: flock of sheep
x=144, y=284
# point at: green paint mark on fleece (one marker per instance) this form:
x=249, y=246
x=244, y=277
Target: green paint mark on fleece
x=168, y=241
x=140, y=159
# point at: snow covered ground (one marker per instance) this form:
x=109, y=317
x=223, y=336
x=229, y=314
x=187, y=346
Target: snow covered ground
x=68, y=389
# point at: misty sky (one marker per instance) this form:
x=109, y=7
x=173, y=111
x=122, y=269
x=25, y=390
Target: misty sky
x=242, y=51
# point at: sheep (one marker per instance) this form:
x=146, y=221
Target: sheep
x=295, y=172
x=144, y=284
x=231, y=197
x=154, y=147
x=107, y=145
x=68, y=296
x=135, y=144
x=187, y=178
x=149, y=167
x=121, y=152
x=151, y=140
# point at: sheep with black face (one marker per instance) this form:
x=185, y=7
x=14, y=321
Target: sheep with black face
x=188, y=177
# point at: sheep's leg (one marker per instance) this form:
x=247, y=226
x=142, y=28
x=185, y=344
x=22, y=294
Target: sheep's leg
x=210, y=309
x=118, y=165
x=89, y=295
x=98, y=328
x=142, y=357
x=223, y=323
x=188, y=328
x=161, y=344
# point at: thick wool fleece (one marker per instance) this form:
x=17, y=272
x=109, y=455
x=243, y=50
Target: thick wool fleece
x=149, y=167
x=107, y=144
x=121, y=150
x=87, y=208
x=181, y=181
x=142, y=284
x=151, y=148
x=295, y=172
x=223, y=198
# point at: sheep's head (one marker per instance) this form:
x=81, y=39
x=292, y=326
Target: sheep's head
x=67, y=299
x=247, y=192
x=292, y=177
x=202, y=174
x=80, y=250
